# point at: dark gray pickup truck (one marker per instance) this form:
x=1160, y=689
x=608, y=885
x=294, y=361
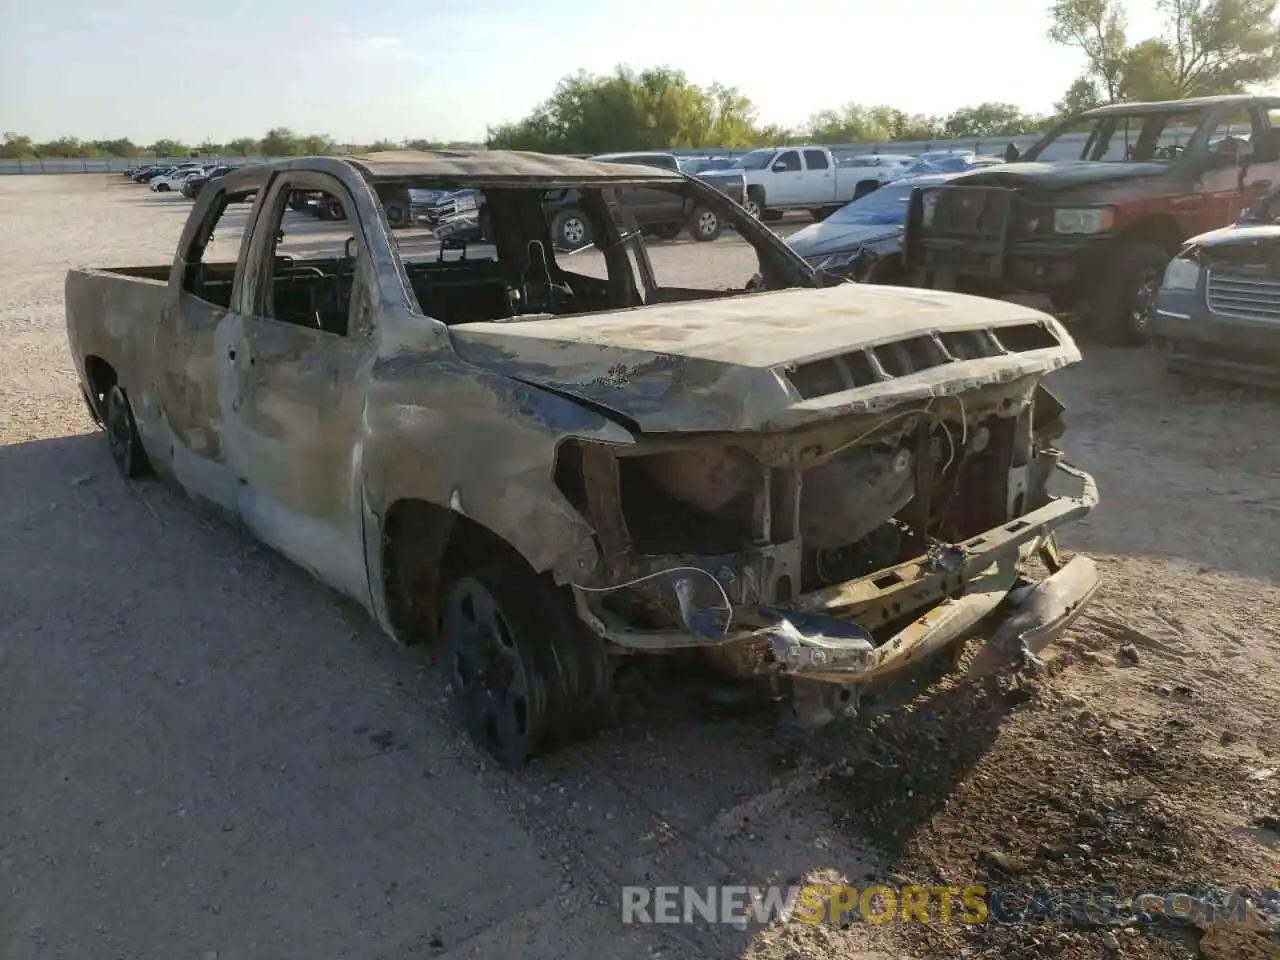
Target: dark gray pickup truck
x=659, y=213
x=545, y=463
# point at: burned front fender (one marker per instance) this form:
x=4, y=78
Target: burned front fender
x=484, y=447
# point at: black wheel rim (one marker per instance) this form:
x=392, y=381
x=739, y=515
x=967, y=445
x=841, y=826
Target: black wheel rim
x=488, y=673
x=1143, y=300
x=119, y=434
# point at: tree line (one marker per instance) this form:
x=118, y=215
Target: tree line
x=278, y=142
x=1204, y=47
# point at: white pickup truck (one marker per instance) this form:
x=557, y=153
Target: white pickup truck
x=811, y=178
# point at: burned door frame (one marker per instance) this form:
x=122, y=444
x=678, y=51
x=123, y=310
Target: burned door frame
x=295, y=412
x=191, y=378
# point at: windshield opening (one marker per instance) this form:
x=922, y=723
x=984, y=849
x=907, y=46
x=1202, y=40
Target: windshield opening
x=527, y=253
x=755, y=160
x=1120, y=138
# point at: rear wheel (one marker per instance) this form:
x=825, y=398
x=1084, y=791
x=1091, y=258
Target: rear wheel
x=570, y=229
x=1122, y=307
x=705, y=224
x=397, y=213
x=122, y=436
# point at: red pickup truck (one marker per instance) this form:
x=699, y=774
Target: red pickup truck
x=1094, y=211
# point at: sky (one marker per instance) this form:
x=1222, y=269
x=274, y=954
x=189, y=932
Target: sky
x=447, y=69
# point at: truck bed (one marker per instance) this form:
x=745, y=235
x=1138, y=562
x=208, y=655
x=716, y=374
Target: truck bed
x=111, y=319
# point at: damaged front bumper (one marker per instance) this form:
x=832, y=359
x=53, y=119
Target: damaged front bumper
x=827, y=636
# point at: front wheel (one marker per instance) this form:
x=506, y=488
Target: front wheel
x=1125, y=301
x=524, y=671
x=122, y=436
x=705, y=224
x=162, y=188
x=754, y=207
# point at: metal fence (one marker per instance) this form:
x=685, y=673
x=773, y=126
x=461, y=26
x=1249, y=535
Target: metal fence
x=1068, y=145
x=120, y=164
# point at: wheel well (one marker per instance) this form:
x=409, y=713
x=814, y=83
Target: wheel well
x=102, y=377
x=756, y=191
x=423, y=546
x=1163, y=231
x=866, y=186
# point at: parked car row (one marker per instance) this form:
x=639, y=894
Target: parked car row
x=187, y=178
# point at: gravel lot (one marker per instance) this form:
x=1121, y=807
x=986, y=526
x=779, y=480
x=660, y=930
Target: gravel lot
x=203, y=753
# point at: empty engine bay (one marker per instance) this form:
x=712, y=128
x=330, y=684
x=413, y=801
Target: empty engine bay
x=768, y=521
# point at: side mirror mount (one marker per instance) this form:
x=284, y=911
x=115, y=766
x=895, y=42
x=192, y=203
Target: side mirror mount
x=1011, y=153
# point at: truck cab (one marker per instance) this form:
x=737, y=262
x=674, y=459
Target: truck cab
x=1093, y=212
x=809, y=178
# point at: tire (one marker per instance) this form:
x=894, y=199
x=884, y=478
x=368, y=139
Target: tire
x=397, y=214
x=771, y=216
x=1121, y=308
x=570, y=229
x=525, y=673
x=821, y=213
x=754, y=203
x=162, y=188
x=333, y=210
x=705, y=224
x=667, y=231
x=865, y=187
x=122, y=436
x=93, y=411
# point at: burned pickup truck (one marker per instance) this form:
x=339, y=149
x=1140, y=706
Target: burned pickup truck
x=547, y=464
x=1094, y=211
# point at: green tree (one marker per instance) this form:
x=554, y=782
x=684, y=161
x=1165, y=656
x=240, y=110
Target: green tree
x=855, y=123
x=1097, y=29
x=316, y=145
x=243, y=147
x=14, y=146
x=280, y=142
x=120, y=147
x=775, y=135
x=1207, y=47
x=380, y=146
x=656, y=108
x=988, y=120
x=168, y=148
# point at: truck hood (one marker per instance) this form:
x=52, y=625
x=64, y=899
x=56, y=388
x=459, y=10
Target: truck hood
x=1057, y=176
x=1261, y=234
x=724, y=365
x=829, y=238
